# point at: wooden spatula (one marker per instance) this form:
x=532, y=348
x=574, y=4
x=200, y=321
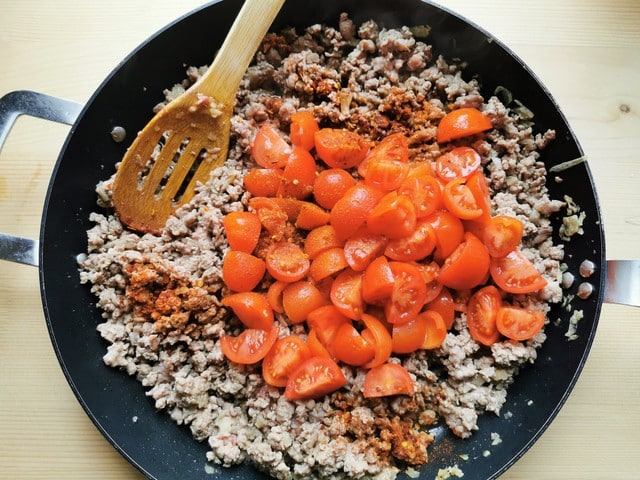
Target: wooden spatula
x=190, y=136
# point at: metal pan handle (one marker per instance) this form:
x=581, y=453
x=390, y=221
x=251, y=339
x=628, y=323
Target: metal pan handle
x=12, y=105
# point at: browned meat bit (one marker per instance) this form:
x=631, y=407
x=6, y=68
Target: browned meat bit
x=407, y=444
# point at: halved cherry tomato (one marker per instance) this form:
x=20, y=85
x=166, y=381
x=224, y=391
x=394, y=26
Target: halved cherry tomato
x=325, y=321
x=457, y=163
x=351, y=211
x=299, y=174
x=444, y=305
x=467, y=266
x=409, y=336
x=272, y=217
x=330, y=185
x=270, y=149
x=477, y=183
x=314, y=378
x=251, y=346
x=363, y=247
x=301, y=298
x=286, y=261
x=320, y=239
x=346, y=293
x=418, y=245
x=385, y=173
x=303, y=128
x=285, y=356
x=350, y=347
x=482, y=311
x=430, y=273
x=436, y=329
x=315, y=346
x=377, y=334
x=408, y=294
x=394, y=216
x=519, y=323
x=502, y=235
x=449, y=232
x=263, y=182
x=243, y=230
x=274, y=295
x=328, y=263
x=459, y=200
x=462, y=123
x=394, y=147
x=424, y=192
x=241, y=271
x=420, y=168
x=388, y=379
x=311, y=216
x=514, y=273
x=251, y=308
x=340, y=148
x=377, y=281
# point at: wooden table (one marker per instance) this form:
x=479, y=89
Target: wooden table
x=587, y=52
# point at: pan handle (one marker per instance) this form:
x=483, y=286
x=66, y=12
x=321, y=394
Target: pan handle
x=12, y=105
x=623, y=282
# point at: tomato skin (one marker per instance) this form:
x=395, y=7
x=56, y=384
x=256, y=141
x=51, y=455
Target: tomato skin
x=325, y=321
x=514, y=273
x=408, y=294
x=251, y=308
x=409, y=336
x=330, y=185
x=385, y=173
x=388, y=379
x=301, y=298
x=377, y=334
x=328, y=263
x=299, y=174
x=340, y=148
x=394, y=147
x=377, y=281
x=424, y=192
x=363, y=247
x=314, y=378
x=444, y=305
x=416, y=246
x=459, y=200
x=467, y=266
x=477, y=183
x=482, y=311
x=316, y=348
x=243, y=230
x=241, y=271
x=519, y=324
x=270, y=149
x=449, y=233
x=302, y=129
x=460, y=162
x=320, y=239
x=351, y=211
x=263, y=182
x=284, y=357
x=430, y=273
x=287, y=262
x=462, y=123
x=436, y=329
x=311, y=216
x=251, y=346
x=350, y=347
x=346, y=293
x=502, y=235
x=393, y=216
x=274, y=295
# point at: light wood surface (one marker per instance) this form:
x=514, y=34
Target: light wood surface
x=587, y=52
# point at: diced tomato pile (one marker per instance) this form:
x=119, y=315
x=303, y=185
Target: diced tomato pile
x=372, y=264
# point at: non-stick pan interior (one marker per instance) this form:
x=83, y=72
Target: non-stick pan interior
x=116, y=402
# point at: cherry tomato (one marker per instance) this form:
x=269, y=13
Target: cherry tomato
x=301, y=298
x=436, y=329
x=311, y=216
x=482, y=311
x=444, y=305
x=457, y=163
x=386, y=173
x=377, y=281
x=418, y=245
x=340, y=148
x=303, y=128
x=241, y=271
x=408, y=294
x=394, y=147
x=330, y=185
x=325, y=321
x=502, y=235
x=263, y=182
x=270, y=149
x=351, y=211
x=394, y=216
x=272, y=217
x=388, y=379
x=314, y=378
x=299, y=174
x=251, y=346
x=420, y=168
x=251, y=308
x=459, y=200
x=286, y=261
x=514, y=273
x=449, y=232
x=519, y=323
x=350, y=347
x=462, y=123
x=274, y=295
x=346, y=293
x=430, y=273
x=467, y=266
x=377, y=334
x=328, y=263
x=409, y=336
x=424, y=192
x=243, y=230
x=363, y=247
x=320, y=239
x=285, y=356
x=316, y=348
x=477, y=183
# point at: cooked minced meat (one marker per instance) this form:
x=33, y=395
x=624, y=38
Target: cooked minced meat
x=160, y=294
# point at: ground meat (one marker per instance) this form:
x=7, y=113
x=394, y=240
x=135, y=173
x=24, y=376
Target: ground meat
x=160, y=295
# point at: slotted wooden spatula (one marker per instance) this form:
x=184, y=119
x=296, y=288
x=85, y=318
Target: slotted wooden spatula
x=190, y=136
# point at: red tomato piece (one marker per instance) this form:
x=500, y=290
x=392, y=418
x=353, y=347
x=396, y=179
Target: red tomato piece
x=299, y=174
x=394, y=216
x=462, y=123
x=351, y=211
x=477, y=183
x=251, y=346
x=285, y=356
x=346, y=293
x=430, y=273
x=459, y=200
x=311, y=216
x=270, y=149
x=331, y=185
x=303, y=128
x=457, y=163
x=301, y=298
x=424, y=192
x=394, y=147
x=263, y=182
x=320, y=239
x=514, y=273
x=418, y=245
x=350, y=347
x=243, y=230
x=274, y=295
x=467, y=266
x=408, y=294
x=377, y=281
x=241, y=271
x=436, y=329
x=287, y=262
x=388, y=379
x=251, y=308
x=444, y=305
x=377, y=334
x=328, y=263
x=502, y=235
x=340, y=148
x=409, y=336
x=316, y=348
x=482, y=311
x=325, y=322
x=519, y=324
x=363, y=247
x=386, y=173
x=449, y=232
x=314, y=378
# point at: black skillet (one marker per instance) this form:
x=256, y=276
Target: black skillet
x=153, y=443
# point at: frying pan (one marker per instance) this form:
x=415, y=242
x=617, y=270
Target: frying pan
x=154, y=444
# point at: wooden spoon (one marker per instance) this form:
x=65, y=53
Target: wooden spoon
x=190, y=136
